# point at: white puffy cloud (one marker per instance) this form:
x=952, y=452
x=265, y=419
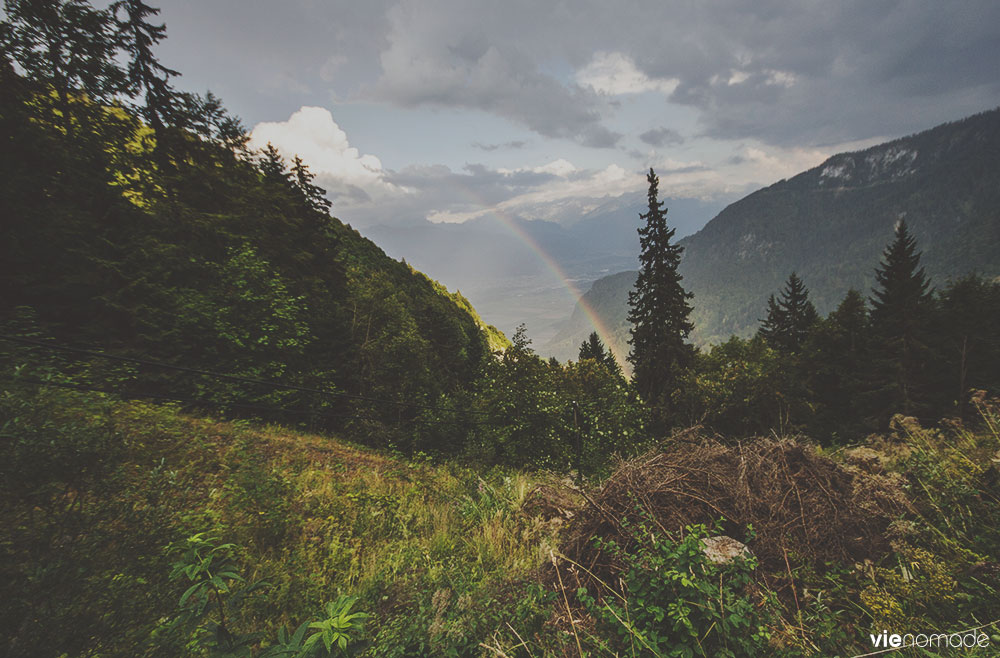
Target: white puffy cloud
x=615, y=73
x=312, y=134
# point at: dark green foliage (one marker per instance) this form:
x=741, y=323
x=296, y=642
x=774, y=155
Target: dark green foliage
x=67, y=46
x=314, y=195
x=968, y=315
x=790, y=318
x=175, y=244
x=836, y=360
x=334, y=635
x=674, y=602
x=594, y=349
x=68, y=559
x=739, y=388
x=658, y=307
x=145, y=75
x=901, y=309
x=548, y=415
x=209, y=570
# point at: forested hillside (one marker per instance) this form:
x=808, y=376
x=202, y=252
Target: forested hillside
x=152, y=254
x=178, y=245
x=231, y=427
x=830, y=223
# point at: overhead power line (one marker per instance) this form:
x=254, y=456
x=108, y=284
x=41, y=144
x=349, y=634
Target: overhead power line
x=220, y=375
x=201, y=401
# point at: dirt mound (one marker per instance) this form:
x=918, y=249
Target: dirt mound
x=796, y=500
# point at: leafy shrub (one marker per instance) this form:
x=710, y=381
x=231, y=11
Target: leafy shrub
x=212, y=570
x=673, y=601
x=335, y=635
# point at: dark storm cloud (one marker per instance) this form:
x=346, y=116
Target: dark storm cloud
x=790, y=73
x=785, y=72
x=822, y=73
x=422, y=66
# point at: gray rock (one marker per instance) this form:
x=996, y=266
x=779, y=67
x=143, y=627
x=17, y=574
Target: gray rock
x=723, y=550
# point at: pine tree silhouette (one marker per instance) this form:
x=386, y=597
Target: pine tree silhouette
x=658, y=307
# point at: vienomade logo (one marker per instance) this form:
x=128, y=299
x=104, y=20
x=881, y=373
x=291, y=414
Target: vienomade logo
x=969, y=639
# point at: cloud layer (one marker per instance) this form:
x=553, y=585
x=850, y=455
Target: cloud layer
x=782, y=72
x=785, y=72
x=577, y=99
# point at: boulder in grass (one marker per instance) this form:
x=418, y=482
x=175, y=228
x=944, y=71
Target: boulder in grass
x=723, y=549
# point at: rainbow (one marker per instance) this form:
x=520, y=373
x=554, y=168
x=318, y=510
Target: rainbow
x=510, y=223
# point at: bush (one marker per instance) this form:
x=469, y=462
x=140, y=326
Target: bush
x=673, y=601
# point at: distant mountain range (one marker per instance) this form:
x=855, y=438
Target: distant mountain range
x=488, y=248
x=500, y=267
x=830, y=224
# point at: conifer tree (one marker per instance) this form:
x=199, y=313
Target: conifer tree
x=837, y=362
x=658, y=306
x=772, y=322
x=146, y=75
x=966, y=333
x=314, y=195
x=593, y=348
x=272, y=166
x=66, y=44
x=790, y=318
x=901, y=306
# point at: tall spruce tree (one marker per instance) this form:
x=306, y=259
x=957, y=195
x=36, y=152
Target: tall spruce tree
x=593, y=348
x=658, y=306
x=789, y=318
x=313, y=195
x=901, y=307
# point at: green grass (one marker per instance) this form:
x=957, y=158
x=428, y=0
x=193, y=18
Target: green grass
x=100, y=497
x=442, y=556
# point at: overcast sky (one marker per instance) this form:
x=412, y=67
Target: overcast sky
x=446, y=109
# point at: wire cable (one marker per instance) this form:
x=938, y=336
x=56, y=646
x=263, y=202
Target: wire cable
x=220, y=375
x=213, y=403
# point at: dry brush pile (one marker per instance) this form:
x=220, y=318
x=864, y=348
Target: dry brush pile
x=796, y=500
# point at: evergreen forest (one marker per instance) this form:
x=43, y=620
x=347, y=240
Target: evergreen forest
x=230, y=425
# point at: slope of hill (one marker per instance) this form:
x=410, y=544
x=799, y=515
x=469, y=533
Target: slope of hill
x=105, y=498
x=123, y=517
x=830, y=224
x=180, y=246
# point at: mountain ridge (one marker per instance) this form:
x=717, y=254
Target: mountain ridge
x=830, y=224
